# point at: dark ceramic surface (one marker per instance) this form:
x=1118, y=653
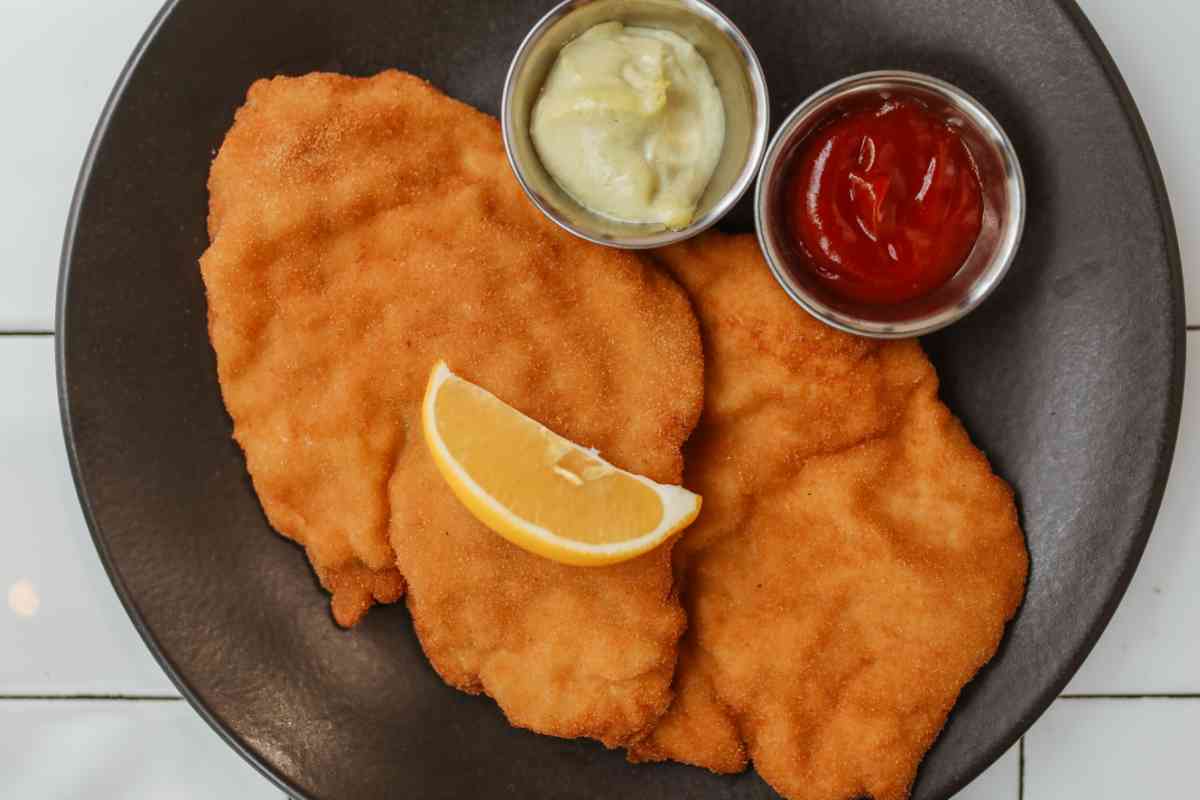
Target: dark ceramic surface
x=1070, y=377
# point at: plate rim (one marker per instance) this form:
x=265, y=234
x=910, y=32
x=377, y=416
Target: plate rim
x=79, y=195
x=975, y=767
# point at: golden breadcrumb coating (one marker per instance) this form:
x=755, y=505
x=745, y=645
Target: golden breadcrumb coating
x=364, y=228
x=855, y=561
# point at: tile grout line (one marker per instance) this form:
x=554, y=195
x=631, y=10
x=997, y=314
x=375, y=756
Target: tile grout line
x=137, y=698
x=1021, y=769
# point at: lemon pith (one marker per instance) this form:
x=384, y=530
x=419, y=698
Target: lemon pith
x=539, y=490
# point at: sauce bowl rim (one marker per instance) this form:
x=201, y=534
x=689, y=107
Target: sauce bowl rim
x=747, y=175
x=1012, y=224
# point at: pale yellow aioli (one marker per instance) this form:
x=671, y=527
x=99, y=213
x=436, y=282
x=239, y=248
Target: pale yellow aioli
x=630, y=123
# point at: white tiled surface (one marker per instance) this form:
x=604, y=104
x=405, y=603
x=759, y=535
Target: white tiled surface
x=1114, y=750
x=77, y=611
x=1154, y=42
x=58, y=59
x=118, y=750
x=1160, y=613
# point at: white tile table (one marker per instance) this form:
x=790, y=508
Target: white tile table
x=118, y=750
x=84, y=710
x=1113, y=749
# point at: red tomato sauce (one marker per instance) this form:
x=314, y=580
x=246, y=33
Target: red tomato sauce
x=884, y=202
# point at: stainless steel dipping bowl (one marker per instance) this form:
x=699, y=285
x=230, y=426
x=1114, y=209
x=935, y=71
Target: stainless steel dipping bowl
x=1003, y=208
x=735, y=69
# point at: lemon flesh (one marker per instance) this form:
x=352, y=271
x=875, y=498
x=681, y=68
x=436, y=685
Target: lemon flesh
x=538, y=489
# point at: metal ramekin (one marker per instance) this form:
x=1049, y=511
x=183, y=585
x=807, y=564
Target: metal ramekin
x=1003, y=208
x=735, y=69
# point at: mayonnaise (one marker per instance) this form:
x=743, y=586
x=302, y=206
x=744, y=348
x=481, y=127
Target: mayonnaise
x=630, y=124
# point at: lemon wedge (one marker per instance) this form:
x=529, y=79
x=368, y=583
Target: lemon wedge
x=538, y=490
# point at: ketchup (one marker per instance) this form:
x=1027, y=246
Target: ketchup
x=885, y=202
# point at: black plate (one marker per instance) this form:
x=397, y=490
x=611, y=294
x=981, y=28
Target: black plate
x=1070, y=377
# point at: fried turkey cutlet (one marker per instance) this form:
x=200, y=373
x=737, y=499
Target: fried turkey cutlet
x=855, y=561
x=364, y=228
